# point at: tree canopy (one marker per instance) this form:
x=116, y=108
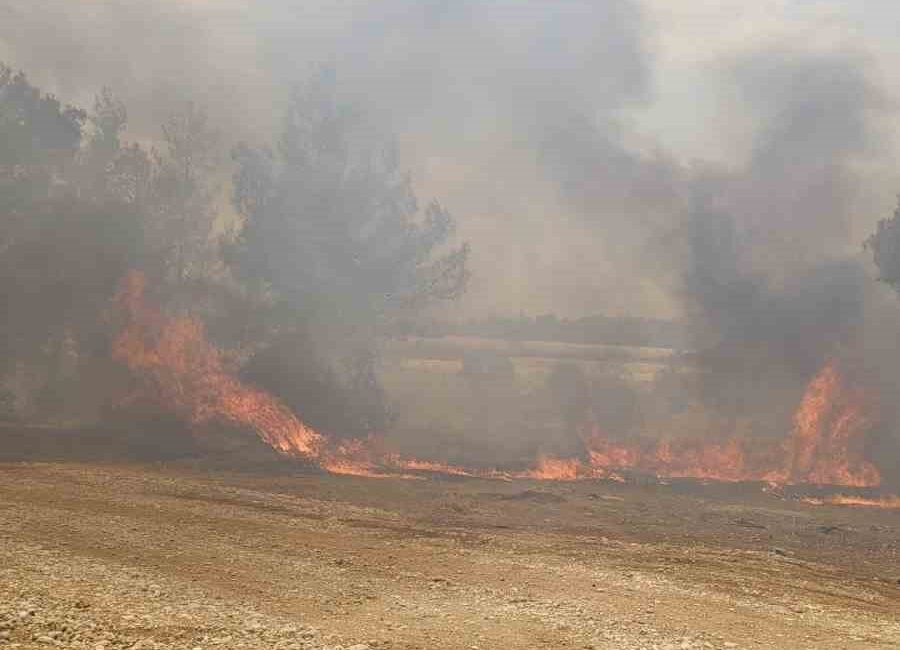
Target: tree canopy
x=334, y=234
x=330, y=246
x=885, y=246
x=330, y=217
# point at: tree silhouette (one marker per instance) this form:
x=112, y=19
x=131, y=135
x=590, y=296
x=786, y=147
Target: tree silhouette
x=334, y=233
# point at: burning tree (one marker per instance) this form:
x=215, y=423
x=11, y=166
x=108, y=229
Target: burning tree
x=80, y=208
x=885, y=246
x=332, y=247
x=61, y=252
x=333, y=234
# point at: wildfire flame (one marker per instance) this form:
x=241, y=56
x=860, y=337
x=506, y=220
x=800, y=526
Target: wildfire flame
x=557, y=469
x=886, y=502
x=829, y=429
x=188, y=374
x=825, y=446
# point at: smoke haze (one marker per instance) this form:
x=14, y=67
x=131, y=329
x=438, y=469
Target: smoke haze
x=719, y=164
x=532, y=125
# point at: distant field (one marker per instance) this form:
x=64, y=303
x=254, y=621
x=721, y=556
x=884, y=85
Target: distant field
x=533, y=360
x=442, y=411
x=451, y=347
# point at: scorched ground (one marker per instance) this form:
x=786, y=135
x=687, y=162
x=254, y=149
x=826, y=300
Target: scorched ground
x=191, y=556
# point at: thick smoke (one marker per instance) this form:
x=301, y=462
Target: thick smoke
x=483, y=95
x=768, y=284
x=522, y=117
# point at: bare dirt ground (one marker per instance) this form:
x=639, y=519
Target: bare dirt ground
x=179, y=555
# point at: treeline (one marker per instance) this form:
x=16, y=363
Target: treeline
x=595, y=330
x=325, y=245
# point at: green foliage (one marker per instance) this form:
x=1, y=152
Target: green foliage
x=38, y=138
x=332, y=247
x=332, y=222
x=35, y=128
x=885, y=247
x=7, y=405
x=64, y=245
x=333, y=233
x=181, y=207
x=78, y=209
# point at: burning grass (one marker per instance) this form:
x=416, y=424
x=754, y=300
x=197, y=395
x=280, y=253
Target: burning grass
x=890, y=502
x=185, y=373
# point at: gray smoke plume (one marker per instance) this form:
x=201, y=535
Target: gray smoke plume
x=768, y=283
x=521, y=118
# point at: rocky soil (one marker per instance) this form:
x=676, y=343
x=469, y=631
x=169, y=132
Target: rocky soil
x=174, y=556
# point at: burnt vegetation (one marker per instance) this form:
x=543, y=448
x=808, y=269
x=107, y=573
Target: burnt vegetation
x=324, y=247
x=257, y=389
x=287, y=265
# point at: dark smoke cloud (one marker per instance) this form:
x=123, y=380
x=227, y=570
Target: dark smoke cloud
x=769, y=286
x=489, y=97
x=818, y=113
x=756, y=233
x=481, y=88
x=518, y=115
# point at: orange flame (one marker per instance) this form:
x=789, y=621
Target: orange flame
x=829, y=429
x=886, y=502
x=825, y=446
x=188, y=375
x=688, y=459
x=556, y=469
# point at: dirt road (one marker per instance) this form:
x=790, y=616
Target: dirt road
x=176, y=556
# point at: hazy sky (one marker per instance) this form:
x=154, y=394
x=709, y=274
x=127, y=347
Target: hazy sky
x=561, y=134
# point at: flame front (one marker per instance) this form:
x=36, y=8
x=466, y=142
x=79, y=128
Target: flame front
x=885, y=502
x=188, y=375
x=829, y=430
x=557, y=469
x=825, y=446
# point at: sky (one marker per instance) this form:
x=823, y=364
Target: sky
x=569, y=139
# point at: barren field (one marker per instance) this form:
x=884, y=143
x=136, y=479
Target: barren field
x=189, y=556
